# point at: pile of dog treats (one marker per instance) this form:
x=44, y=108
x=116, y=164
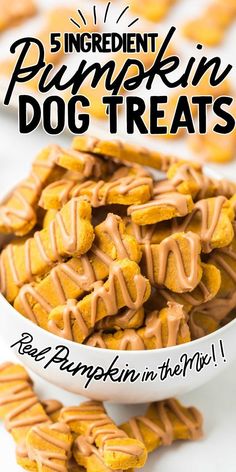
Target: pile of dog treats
x=103, y=253
x=50, y=437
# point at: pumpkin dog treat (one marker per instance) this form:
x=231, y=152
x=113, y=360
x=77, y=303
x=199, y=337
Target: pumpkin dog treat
x=206, y=290
x=211, y=26
x=163, y=207
x=200, y=324
x=118, y=450
x=164, y=329
x=124, y=191
x=123, y=152
x=70, y=233
x=125, y=287
x=15, y=12
x=87, y=455
x=71, y=279
x=20, y=409
x=164, y=422
x=152, y=10
x=212, y=219
x=174, y=263
x=50, y=446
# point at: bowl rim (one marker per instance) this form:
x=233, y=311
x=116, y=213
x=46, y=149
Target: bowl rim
x=148, y=352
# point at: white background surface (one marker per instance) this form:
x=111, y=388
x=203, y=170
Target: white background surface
x=217, y=400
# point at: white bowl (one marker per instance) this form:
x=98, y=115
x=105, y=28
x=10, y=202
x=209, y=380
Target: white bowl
x=46, y=353
x=98, y=370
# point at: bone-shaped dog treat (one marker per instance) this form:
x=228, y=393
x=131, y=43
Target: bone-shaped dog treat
x=163, y=207
x=123, y=152
x=69, y=234
x=91, y=420
x=174, y=263
x=125, y=287
x=71, y=279
x=20, y=408
x=50, y=446
x=125, y=191
x=164, y=329
x=164, y=422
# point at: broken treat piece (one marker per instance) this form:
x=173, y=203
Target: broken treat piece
x=14, y=12
x=164, y=422
x=174, y=263
x=124, y=191
x=50, y=446
x=118, y=450
x=152, y=10
x=164, y=329
x=69, y=234
x=73, y=278
x=163, y=207
x=125, y=287
x=20, y=409
x=123, y=152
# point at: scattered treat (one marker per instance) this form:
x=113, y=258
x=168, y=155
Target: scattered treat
x=164, y=422
x=118, y=450
x=164, y=329
x=20, y=409
x=152, y=10
x=14, y=12
x=211, y=27
x=50, y=446
x=112, y=247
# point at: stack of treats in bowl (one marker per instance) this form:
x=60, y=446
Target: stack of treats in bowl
x=101, y=252
x=102, y=249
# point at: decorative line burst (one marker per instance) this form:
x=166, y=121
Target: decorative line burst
x=105, y=16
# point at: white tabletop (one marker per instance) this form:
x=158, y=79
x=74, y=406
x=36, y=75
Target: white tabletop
x=216, y=400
